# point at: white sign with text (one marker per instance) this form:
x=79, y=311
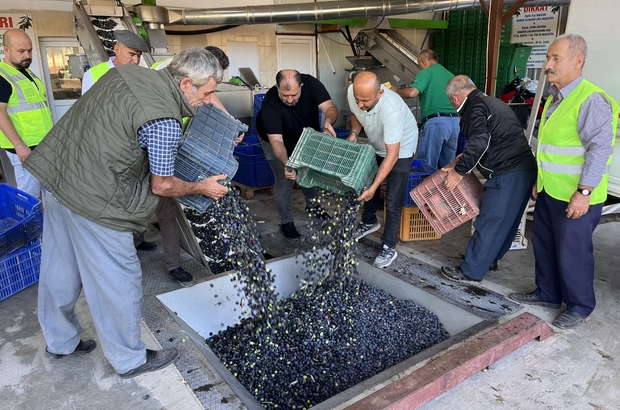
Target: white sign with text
x=536, y=27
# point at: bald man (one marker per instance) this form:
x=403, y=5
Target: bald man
x=288, y=107
x=393, y=133
x=25, y=117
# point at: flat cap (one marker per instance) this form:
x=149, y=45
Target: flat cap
x=131, y=40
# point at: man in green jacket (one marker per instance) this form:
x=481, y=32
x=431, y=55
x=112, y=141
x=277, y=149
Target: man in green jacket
x=440, y=122
x=103, y=166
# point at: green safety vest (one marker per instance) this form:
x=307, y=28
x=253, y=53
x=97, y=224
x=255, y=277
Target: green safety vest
x=158, y=63
x=27, y=107
x=560, y=154
x=99, y=70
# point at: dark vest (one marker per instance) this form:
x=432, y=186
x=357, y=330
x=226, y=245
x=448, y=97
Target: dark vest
x=91, y=161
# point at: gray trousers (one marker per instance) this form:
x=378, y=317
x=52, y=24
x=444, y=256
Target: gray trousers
x=283, y=187
x=78, y=253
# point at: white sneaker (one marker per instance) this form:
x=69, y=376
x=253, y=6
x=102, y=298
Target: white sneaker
x=365, y=229
x=385, y=258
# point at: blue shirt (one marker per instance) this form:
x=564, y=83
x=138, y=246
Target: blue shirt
x=161, y=139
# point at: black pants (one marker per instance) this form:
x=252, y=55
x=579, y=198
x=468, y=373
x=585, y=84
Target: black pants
x=394, y=200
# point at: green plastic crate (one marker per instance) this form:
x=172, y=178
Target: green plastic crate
x=339, y=166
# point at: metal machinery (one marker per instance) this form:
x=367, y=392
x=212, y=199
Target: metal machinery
x=95, y=20
x=389, y=55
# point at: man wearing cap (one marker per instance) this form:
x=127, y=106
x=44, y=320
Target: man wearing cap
x=128, y=49
x=440, y=122
x=25, y=117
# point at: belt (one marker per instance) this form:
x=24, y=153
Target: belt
x=439, y=114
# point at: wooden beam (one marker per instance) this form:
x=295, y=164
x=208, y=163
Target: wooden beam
x=484, y=7
x=445, y=372
x=518, y=4
x=495, y=30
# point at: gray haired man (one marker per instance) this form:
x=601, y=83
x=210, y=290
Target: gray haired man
x=103, y=165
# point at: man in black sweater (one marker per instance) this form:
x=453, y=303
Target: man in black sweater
x=496, y=146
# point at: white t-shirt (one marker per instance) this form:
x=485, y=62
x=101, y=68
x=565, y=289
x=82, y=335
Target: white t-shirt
x=389, y=122
x=87, y=79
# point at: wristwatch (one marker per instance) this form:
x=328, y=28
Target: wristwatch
x=584, y=192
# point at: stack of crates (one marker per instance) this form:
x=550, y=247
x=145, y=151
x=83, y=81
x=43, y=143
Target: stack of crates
x=254, y=170
x=511, y=56
x=413, y=224
x=462, y=48
x=21, y=225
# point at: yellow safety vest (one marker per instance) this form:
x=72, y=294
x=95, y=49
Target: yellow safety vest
x=158, y=63
x=99, y=70
x=27, y=107
x=560, y=153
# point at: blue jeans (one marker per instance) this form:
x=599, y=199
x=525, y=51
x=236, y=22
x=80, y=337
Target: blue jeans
x=283, y=187
x=504, y=199
x=394, y=200
x=564, y=254
x=438, y=139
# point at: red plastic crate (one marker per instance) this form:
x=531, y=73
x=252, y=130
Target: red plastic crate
x=448, y=209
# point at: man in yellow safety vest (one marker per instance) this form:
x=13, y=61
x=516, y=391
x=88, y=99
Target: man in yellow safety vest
x=575, y=143
x=25, y=117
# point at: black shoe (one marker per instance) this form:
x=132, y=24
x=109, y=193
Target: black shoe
x=456, y=274
x=84, y=347
x=146, y=246
x=155, y=360
x=180, y=275
x=288, y=229
x=533, y=299
x=570, y=320
x=493, y=265
x=318, y=211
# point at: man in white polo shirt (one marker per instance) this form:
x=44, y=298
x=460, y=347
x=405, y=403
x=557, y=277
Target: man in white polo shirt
x=393, y=133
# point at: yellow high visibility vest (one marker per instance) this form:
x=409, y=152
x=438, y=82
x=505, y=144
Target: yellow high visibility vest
x=99, y=70
x=560, y=153
x=27, y=107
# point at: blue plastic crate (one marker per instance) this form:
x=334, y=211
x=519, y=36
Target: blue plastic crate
x=20, y=269
x=254, y=170
x=419, y=170
x=251, y=138
x=258, y=102
x=342, y=133
x=206, y=149
x=21, y=219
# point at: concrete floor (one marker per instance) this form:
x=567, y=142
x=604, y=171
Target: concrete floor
x=569, y=370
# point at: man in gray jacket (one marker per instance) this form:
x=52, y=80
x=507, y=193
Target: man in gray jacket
x=102, y=166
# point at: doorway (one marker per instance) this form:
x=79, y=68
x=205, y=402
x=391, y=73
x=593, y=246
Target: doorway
x=63, y=87
x=297, y=53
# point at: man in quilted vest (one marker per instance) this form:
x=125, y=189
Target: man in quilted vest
x=103, y=166
x=25, y=117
